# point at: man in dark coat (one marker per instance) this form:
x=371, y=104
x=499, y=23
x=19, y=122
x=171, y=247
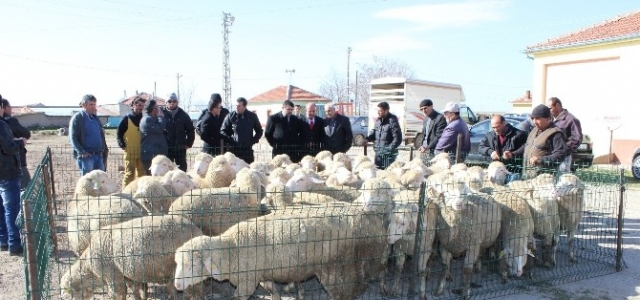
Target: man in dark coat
x=432, y=127
x=571, y=127
x=241, y=129
x=223, y=112
x=337, y=130
x=500, y=143
x=314, y=130
x=285, y=132
x=18, y=131
x=210, y=125
x=386, y=135
x=180, y=132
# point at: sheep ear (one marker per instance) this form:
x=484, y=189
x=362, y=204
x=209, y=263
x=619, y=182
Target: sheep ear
x=316, y=180
x=530, y=253
x=529, y=192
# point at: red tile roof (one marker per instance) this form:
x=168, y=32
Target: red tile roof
x=619, y=27
x=526, y=98
x=280, y=94
x=145, y=96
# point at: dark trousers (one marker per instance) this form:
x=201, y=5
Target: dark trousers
x=244, y=153
x=179, y=156
x=25, y=179
x=292, y=150
x=213, y=151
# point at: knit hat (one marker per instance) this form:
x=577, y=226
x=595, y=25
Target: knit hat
x=173, y=97
x=150, y=106
x=426, y=102
x=541, y=111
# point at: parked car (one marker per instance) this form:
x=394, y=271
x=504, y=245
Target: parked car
x=360, y=129
x=635, y=164
x=480, y=130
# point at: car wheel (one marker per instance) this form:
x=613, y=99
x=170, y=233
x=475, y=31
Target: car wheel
x=635, y=167
x=359, y=140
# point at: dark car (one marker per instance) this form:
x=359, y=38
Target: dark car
x=360, y=129
x=480, y=130
x=583, y=157
x=635, y=164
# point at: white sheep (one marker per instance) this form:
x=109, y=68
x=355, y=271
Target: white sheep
x=279, y=175
x=516, y=231
x=160, y=165
x=324, y=159
x=236, y=163
x=309, y=162
x=176, y=182
x=343, y=177
x=305, y=180
x=569, y=193
x=291, y=168
x=219, y=174
x=262, y=167
x=215, y=210
x=95, y=183
x=467, y=224
x=412, y=179
x=281, y=160
x=365, y=170
x=361, y=158
x=138, y=251
x=201, y=164
x=402, y=229
x=497, y=172
x=355, y=255
x=439, y=163
x=343, y=158
x=458, y=167
x=87, y=215
x=153, y=197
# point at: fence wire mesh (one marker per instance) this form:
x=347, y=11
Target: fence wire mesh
x=238, y=241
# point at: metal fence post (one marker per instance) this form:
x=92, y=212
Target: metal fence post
x=414, y=280
x=411, y=153
x=365, y=149
x=221, y=146
x=47, y=189
x=620, y=222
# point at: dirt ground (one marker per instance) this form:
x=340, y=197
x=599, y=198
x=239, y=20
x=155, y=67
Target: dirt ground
x=622, y=285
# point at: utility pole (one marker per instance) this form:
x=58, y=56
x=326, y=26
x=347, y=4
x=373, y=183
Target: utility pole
x=348, y=83
x=355, y=97
x=177, y=85
x=290, y=74
x=227, y=21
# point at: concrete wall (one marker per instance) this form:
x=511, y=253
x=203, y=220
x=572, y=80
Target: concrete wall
x=599, y=86
x=36, y=120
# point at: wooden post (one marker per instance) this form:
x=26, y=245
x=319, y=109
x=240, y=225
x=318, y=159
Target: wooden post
x=620, y=222
x=365, y=149
x=221, y=146
x=49, y=198
x=53, y=181
x=30, y=248
x=459, y=149
x=411, y=153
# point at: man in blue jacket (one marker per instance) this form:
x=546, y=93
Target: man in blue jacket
x=448, y=142
x=87, y=137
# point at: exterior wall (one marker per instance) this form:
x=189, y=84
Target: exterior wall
x=121, y=109
x=597, y=84
x=521, y=108
x=38, y=120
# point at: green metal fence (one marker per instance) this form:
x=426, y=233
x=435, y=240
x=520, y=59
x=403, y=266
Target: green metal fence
x=47, y=213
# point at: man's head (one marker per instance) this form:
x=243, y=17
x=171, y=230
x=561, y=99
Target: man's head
x=383, y=109
x=137, y=105
x=287, y=108
x=88, y=104
x=241, y=105
x=215, y=104
x=498, y=124
x=297, y=109
x=541, y=116
x=172, y=103
x=330, y=111
x=451, y=111
x=555, y=106
x=2, y=106
x=426, y=106
x=311, y=110
x=7, y=107
x=151, y=108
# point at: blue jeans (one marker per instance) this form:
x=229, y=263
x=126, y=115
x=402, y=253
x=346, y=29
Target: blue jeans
x=90, y=163
x=9, y=231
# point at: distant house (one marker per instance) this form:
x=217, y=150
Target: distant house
x=42, y=116
x=270, y=102
x=522, y=104
x=593, y=71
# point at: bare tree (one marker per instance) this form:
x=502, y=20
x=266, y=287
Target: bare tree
x=335, y=85
x=187, y=94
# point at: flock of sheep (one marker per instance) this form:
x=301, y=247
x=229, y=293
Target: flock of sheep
x=334, y=217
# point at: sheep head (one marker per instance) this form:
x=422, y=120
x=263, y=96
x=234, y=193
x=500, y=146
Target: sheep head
x=497, y=173
x=343, y=158
x=100, y=183
x=454, y=198
x=404, y=220
x=515, y=255
x=234, y=162
x=178, y=181
x=193, y=263
x=303, y=180
x=77, y=282
x=160, y=165
x=376, y=194
x=291, y=168
x=412, y=179
x=201, y=163
x=281, y=160
x=278, y=196
x=309, y=162
x=279, y=175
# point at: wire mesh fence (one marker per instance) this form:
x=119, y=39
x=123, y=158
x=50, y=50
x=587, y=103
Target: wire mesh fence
x=372, y=241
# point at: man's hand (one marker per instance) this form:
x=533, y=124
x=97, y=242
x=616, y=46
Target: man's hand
x=507, y=155
x=422, y=149
x=495, y=155
x=533, y=160
x=85, y=154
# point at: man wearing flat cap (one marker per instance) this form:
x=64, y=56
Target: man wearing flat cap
x=432, y=127
x=546, y=145
x=448, y=142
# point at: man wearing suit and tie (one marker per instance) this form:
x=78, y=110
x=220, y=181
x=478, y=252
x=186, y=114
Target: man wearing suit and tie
x=337, y=130
x=285, y=132
x=315, y=130
x=432, y=127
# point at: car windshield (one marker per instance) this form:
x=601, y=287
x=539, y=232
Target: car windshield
x=484, y=127
x=353, y=120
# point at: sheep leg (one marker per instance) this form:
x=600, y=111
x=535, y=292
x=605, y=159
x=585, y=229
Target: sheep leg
x=423, y=273
x=107, y=272
x=467, y=271
x=272, y=288
x=340, y=282
x=446, y=274
x=398, y=272
x=571, y=233
x=245, y=284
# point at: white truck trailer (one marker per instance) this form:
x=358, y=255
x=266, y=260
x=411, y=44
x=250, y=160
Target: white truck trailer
x=404, y=96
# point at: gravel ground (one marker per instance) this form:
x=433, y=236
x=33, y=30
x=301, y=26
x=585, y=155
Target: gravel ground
x=622, y=285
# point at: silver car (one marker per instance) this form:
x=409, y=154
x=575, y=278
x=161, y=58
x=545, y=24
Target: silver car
x=360, y=129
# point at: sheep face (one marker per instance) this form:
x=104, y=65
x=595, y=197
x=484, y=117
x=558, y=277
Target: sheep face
x=515, y=256
x=498, y=175
x=301, y=182
x=454, y=198
x=202, y=163
x=77, y=287
x=308, y=162
x=235, y=163
x=375, y=194
x=192, y=267
x=403, y=222
x=367, y=173
x=179, y=181
x=101, y=182
x=279, y=175
x=344, y=176
x=160, y=165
